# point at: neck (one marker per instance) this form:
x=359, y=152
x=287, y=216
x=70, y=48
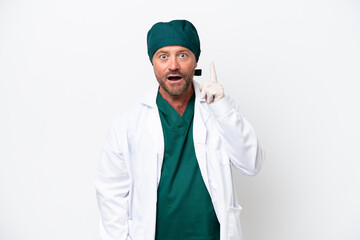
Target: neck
x=180, y=102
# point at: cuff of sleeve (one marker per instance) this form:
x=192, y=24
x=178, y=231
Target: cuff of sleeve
x=221, y=107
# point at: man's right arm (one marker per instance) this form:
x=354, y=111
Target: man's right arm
x=112, y=184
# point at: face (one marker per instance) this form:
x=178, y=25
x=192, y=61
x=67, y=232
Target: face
x=174, y=68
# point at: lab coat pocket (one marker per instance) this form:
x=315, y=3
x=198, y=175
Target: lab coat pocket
x=234, y=227
x=136, y=232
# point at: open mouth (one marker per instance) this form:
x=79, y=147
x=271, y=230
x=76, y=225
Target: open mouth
x=174, y=78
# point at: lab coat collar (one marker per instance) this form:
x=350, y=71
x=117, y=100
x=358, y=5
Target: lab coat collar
x=149, y=99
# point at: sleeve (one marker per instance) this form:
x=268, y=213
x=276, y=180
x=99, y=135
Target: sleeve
x=112, y=185
x=238, y=136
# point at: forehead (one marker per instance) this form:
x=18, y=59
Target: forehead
x=169, y=49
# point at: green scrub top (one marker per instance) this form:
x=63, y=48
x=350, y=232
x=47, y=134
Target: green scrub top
x=184, y=207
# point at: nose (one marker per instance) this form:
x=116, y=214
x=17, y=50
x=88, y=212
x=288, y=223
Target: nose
x=173, y=64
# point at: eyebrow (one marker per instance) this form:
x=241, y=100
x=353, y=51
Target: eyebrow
x=161, y=52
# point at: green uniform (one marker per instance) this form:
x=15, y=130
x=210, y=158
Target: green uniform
x=184, y=207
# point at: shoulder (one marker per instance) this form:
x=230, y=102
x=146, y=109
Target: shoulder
x=137, y=110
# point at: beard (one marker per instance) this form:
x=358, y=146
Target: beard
x=175, y=89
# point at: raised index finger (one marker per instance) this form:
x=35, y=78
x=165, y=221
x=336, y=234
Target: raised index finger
x=213, y=77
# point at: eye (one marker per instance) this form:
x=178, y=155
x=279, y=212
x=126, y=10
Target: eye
x=183, y=55
x=163, y=56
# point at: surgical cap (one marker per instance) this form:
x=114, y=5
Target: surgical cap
x=174, y=33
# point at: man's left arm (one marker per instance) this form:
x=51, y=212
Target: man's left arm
x=237, y=135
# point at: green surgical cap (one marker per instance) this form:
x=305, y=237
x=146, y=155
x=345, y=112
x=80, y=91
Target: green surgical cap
x=174, y=33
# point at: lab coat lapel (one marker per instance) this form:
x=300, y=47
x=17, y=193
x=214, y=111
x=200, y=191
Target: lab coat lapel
x=155, y=127
x=155, y=145
x=199, y=134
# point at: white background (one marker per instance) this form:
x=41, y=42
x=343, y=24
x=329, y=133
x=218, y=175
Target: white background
x=68, y=67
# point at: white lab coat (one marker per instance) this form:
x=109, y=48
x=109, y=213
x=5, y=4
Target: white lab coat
x=129, y=170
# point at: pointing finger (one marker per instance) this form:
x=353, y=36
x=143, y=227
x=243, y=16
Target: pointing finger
x=213, y=77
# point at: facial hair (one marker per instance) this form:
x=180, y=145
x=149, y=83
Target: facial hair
x=175, y=89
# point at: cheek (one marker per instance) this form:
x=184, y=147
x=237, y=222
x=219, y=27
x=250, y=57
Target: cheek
x=157, y=69
x=191, y=64
x=190, y=67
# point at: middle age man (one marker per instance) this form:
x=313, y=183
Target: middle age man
x=165, y=172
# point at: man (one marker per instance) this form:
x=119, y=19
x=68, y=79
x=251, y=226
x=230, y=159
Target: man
x=165, y=171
